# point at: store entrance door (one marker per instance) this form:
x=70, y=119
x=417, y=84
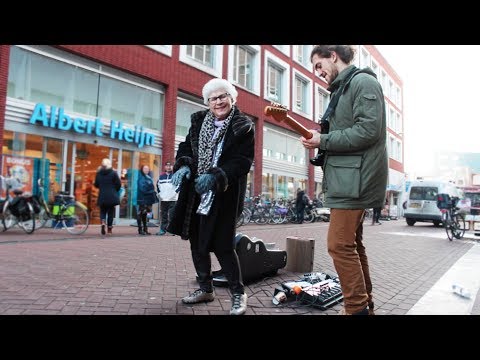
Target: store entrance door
x=88, y=158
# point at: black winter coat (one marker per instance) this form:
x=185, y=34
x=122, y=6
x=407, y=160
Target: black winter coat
x=146, y=194
x=300, y=201
x=231, y=180
x=108, y=182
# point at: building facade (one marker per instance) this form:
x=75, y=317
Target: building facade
x=64, y=108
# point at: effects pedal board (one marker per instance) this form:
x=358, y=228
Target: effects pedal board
x=320, y=290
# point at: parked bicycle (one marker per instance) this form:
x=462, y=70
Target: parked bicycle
x=453, y=221
x=64, y=213
x=17, y=209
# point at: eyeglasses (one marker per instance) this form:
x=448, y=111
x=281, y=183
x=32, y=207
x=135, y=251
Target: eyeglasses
x=214, y=99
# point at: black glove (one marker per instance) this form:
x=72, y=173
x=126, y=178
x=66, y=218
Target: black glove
x=204, y=183
x=180, y=174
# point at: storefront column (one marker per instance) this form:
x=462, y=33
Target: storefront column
x=169, y=122
x=258, y=158
x=4, y=61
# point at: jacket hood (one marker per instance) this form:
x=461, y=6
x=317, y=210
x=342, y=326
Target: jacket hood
x=347, y=75
x=104, y=171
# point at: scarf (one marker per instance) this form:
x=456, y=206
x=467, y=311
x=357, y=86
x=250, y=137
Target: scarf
x=207, y=144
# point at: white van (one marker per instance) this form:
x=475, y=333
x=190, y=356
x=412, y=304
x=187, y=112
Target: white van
x=422, y=200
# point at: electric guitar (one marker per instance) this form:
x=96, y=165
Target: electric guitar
x=279, y=113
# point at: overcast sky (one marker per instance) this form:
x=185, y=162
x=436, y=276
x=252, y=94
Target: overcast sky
x=441, y=99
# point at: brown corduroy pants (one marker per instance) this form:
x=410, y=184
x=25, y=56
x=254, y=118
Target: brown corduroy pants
x=345, y=246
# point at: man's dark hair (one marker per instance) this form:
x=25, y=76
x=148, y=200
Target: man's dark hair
x=345, y=52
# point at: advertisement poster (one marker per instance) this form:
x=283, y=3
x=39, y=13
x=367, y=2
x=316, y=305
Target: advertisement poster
x=20, y=168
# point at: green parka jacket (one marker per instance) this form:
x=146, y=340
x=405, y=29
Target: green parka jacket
x=356, y=163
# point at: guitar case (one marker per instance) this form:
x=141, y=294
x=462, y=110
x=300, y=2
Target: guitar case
x=256, y=261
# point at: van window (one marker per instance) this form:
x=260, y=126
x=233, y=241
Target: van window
x=423, y=193
x=474, y=197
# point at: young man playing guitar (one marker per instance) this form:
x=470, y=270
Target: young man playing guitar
x=355, y=167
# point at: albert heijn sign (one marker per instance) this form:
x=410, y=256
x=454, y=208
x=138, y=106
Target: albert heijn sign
x=58, y=119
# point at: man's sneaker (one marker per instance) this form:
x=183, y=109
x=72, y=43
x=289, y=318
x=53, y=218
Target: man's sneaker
x=239, y=304
x=161, y=232
x=199, y=296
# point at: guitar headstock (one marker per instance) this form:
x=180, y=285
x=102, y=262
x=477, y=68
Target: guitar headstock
x=277, y=111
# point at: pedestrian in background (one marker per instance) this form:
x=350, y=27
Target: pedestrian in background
x=300, y=205
x=167, y=195
x=108, y=183
x=146, y=197
x=376, y=215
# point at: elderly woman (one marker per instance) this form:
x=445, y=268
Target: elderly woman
x=211, y=172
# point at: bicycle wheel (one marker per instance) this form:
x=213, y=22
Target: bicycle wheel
x=75, y=218
x=240, y=220
x=8, y=219
x=448, y=224
x=261, y=218
x=458, y=226
x=309, y=216
x=41, y=218
x=247, y=214
x=27, y=220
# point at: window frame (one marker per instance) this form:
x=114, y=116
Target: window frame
x=255, y=49
x=318, y=113
x=308, y=92
x=216, y=70
x=285, y=81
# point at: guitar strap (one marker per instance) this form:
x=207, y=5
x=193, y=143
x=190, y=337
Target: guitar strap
x=319, y=159
x=334, y=99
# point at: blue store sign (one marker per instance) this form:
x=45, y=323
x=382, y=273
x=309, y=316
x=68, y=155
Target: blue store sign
x=61, y=121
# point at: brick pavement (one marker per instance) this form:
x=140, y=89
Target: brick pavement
x=52, y=272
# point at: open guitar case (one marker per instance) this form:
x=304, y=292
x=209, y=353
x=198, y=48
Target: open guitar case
x=256, y=260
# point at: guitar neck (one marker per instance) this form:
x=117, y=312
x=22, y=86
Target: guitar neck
x=299, y=128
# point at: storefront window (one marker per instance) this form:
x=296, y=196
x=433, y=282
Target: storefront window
x=276, y=186
x=267, y=185
x=291, y=190
x=126, y=204
x=22, y=158
x=249, y=191
x=128, y=103
x=53, y=165
x=37, y=78
x=185, y=108
x=283, y=145
x=140, y=159
x=296, y=152
x=41, y=79
x=282, y=191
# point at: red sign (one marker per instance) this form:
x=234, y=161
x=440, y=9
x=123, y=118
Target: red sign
x=21, y=168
